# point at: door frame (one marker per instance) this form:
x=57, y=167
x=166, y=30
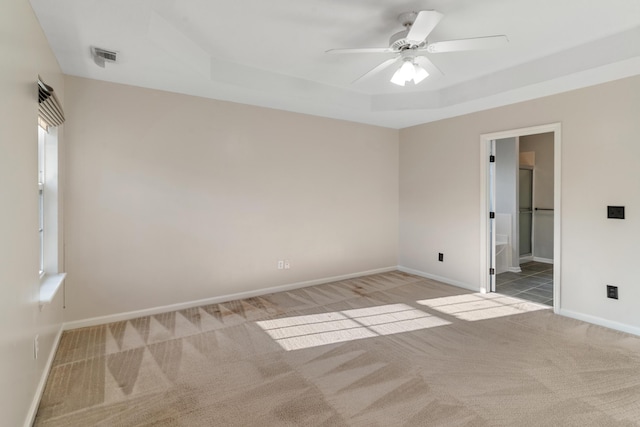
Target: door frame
x=485, y=239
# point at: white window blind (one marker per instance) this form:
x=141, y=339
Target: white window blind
x=49, y=108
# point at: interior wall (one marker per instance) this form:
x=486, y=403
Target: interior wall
x=25, y=55
x=542, y=146
x=173, y=198
x=440, y=195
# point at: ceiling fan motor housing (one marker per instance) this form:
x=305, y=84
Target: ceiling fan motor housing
x=399, y=41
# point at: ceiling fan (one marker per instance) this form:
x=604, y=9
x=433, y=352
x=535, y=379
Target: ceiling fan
x=410, y=46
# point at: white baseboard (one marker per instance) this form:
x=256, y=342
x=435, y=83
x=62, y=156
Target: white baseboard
x=622, y=327
x=33, y=409
x=439, y=278
x=94, y=321
x=527, y=258
x=515, y=269
x=543, y=260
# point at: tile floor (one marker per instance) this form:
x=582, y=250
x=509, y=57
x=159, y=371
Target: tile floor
x=533, y=283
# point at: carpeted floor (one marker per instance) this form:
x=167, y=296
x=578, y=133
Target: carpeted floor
x=384, y=350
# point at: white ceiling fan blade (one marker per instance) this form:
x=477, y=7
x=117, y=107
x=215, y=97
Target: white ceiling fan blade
x=425, y=22
x=426, y=63
x=376, y=70
x=362, y=50
x=477, y=43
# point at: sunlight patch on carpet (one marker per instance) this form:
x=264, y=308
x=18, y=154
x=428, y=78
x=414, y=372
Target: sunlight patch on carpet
x=473, y=307
x=298, y=332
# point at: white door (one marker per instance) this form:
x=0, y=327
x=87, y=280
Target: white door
x=492, y=220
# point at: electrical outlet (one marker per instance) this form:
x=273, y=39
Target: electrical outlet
x=440, y=257
x=280, y=264
x=36, y=347
x=612, y=292
x=287, y=264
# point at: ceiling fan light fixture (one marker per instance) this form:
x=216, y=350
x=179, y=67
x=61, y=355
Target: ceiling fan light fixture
x=420, y=74
x=407, y=72
x=397, y=78
x=403, y=74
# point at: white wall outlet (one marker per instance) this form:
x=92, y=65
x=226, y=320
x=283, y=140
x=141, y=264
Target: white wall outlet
x=36, y=347
x=280, y=265
x=287, y=264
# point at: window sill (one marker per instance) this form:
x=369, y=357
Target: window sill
x=49, y=285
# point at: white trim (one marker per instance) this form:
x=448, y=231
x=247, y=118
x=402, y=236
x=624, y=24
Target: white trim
x=515, y=226
x=442, y=279
x=94, y=321
x=515, y=269
x=485, y=141
x=513, y=133
x=33, y=409
x=485, y=228
x=526, y=258
x=622, y=327
x=557, y=216
x=49, y=286
x=543, y=260
x=491, y=283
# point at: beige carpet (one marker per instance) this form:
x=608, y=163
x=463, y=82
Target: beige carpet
x=385, y=350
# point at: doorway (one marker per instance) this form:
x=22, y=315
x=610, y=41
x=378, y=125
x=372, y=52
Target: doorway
x=525, y=213
x=520, y=240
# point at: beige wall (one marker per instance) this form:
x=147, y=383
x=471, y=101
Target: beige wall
x=440, y=195
x=25, y=54
x=173, y=198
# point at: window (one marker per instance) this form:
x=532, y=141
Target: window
x=42, y=132
x=50, y=117
x=49, y=266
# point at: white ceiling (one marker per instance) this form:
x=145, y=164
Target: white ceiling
x=271, y=53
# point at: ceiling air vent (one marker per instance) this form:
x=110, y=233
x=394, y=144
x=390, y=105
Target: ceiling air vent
x=100, y=56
